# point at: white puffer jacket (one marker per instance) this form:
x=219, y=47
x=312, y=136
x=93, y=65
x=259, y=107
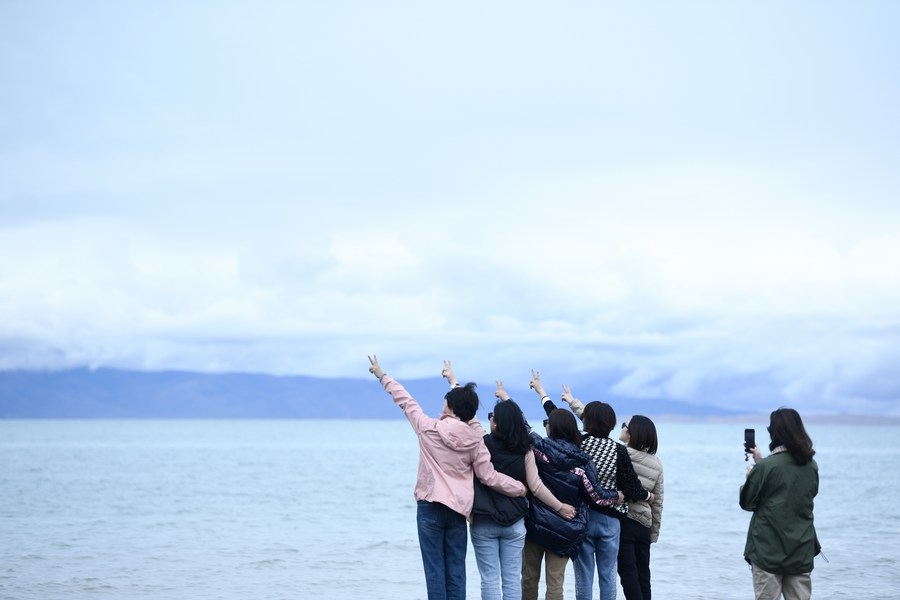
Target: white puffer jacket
x=649, y=470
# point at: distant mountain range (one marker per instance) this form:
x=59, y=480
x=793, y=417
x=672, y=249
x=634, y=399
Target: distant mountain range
x=110, y=393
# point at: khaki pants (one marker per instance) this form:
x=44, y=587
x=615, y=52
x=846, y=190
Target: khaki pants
x=555, y=567
x=769, y=586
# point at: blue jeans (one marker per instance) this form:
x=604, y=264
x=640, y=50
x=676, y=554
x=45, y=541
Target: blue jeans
x=443, y=541
x=601, y=546
x=498, y=552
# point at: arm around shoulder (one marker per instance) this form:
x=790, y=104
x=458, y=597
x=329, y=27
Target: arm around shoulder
x=626, y=478
x=492, y=478
x=536, y=485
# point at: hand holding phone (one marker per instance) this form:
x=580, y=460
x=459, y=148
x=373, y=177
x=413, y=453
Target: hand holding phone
x=749, y=441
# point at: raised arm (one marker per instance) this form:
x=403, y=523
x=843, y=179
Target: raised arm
x=538, y=387
x=573, y=402
x=375, y=368
x=411, y=409
x=448, y=374
x=501, y=393
x=750, y=491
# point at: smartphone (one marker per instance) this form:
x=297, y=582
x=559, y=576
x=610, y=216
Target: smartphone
x=749, y=440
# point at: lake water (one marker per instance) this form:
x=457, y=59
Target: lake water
x=232, y=510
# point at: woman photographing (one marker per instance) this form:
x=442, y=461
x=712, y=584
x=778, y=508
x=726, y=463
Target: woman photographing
x=779, y=491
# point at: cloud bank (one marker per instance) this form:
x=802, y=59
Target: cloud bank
x=287, y=189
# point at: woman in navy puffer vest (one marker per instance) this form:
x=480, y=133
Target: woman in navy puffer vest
x=570, y=475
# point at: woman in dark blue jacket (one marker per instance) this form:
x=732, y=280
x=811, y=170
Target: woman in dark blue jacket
x=570, y=474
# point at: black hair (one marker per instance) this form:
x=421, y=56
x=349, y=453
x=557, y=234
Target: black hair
x=463, y=401
x=786, y=429
x=563, y=426
x=642, y=434
x=511, y=431
x=598, y=418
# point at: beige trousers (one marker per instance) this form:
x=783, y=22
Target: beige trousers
x=555, y=567
x=769, y=586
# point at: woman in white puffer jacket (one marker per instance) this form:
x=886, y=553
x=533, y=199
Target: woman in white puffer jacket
x=640, y=528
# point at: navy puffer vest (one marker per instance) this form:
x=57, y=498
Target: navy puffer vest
x=560, y=464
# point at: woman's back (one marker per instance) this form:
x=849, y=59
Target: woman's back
x=782, y=536
x=509, y=461
x=560, y=464
x=602, y=451
x=647, y=467
x=649, y=470
x=497, y=507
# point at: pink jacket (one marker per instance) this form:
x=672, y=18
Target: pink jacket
x=449, y=452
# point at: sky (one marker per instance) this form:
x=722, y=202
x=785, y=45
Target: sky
x=695, y=201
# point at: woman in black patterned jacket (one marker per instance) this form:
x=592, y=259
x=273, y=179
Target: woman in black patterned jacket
x=614, y=471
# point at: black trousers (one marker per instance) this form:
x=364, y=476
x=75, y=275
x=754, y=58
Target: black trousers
x=634, y=560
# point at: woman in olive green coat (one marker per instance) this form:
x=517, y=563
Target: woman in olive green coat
x=779, y=490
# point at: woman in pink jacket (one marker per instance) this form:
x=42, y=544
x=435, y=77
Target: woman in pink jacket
x=451, y=448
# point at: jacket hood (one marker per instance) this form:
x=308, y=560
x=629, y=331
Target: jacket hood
x=563, y=454
x=456, y=434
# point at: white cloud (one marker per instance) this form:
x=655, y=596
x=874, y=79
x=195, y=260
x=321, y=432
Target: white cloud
x=259, y=194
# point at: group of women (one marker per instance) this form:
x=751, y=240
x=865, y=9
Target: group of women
x=589, y=498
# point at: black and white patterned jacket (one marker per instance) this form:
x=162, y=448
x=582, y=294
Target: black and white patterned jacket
x=613, y=464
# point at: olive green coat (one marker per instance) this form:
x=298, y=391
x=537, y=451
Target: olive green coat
x=782, y=537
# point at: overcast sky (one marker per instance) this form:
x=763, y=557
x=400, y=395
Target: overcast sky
x=700, y=198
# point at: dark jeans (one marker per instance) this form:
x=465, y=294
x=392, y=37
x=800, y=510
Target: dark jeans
x=443, y=538
x=634, y=560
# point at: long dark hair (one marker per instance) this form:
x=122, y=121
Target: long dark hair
x=563, y=426
x=786, y=429
x=511, y=431
x=642, y=434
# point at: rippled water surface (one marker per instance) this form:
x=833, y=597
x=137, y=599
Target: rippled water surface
x=299, y=509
